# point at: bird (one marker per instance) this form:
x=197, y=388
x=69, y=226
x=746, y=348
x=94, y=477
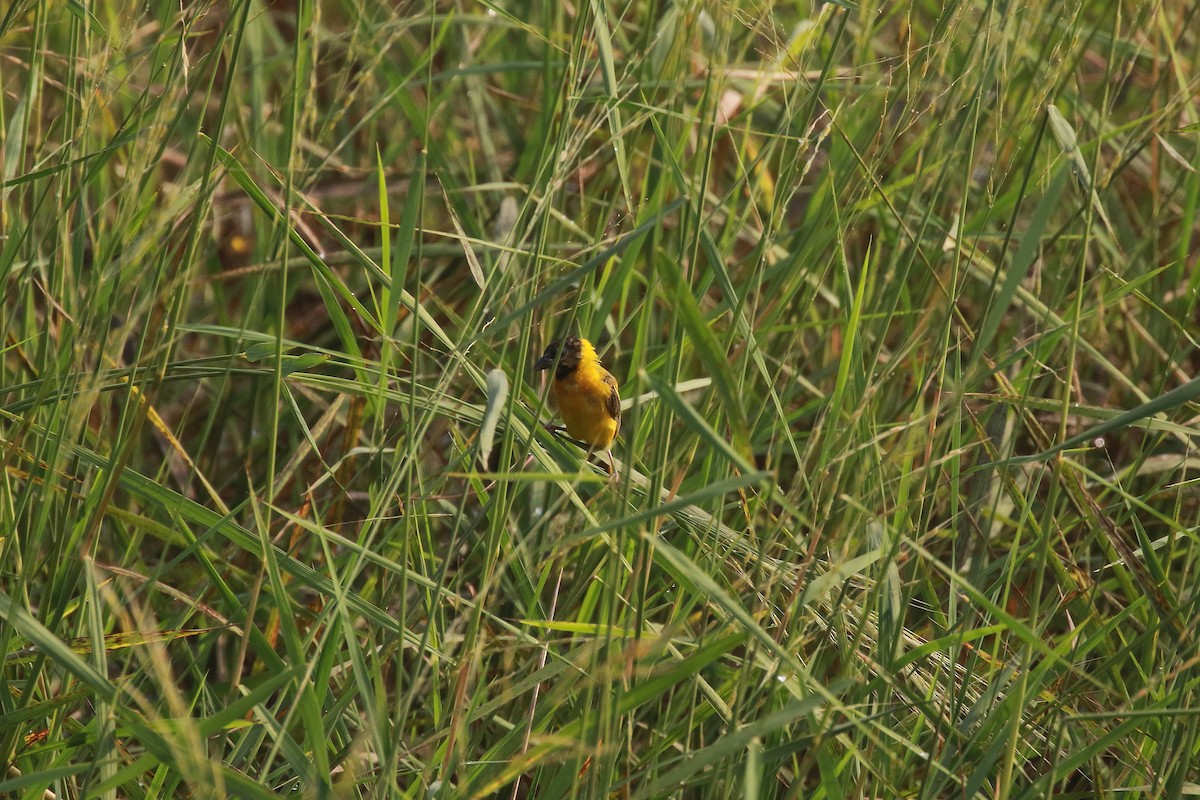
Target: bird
x=585, y=393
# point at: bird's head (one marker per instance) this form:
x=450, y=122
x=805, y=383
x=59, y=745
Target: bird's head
x=566, y=353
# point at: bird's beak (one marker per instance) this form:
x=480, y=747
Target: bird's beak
x=545, y=362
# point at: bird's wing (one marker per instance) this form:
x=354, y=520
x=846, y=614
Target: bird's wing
x=612, y=403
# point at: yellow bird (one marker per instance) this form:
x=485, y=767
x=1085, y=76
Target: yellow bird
x=585, y=393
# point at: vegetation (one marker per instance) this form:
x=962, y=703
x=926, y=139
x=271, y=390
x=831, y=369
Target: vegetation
x=903, y=298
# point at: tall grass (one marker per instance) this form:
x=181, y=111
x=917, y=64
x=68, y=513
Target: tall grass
x=903, y=299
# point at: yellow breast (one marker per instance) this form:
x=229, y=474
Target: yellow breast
x=582, y=400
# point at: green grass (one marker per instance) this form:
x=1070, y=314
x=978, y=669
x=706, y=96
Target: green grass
x=278, y=515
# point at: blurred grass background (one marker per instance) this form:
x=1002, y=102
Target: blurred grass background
x=277, y=513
